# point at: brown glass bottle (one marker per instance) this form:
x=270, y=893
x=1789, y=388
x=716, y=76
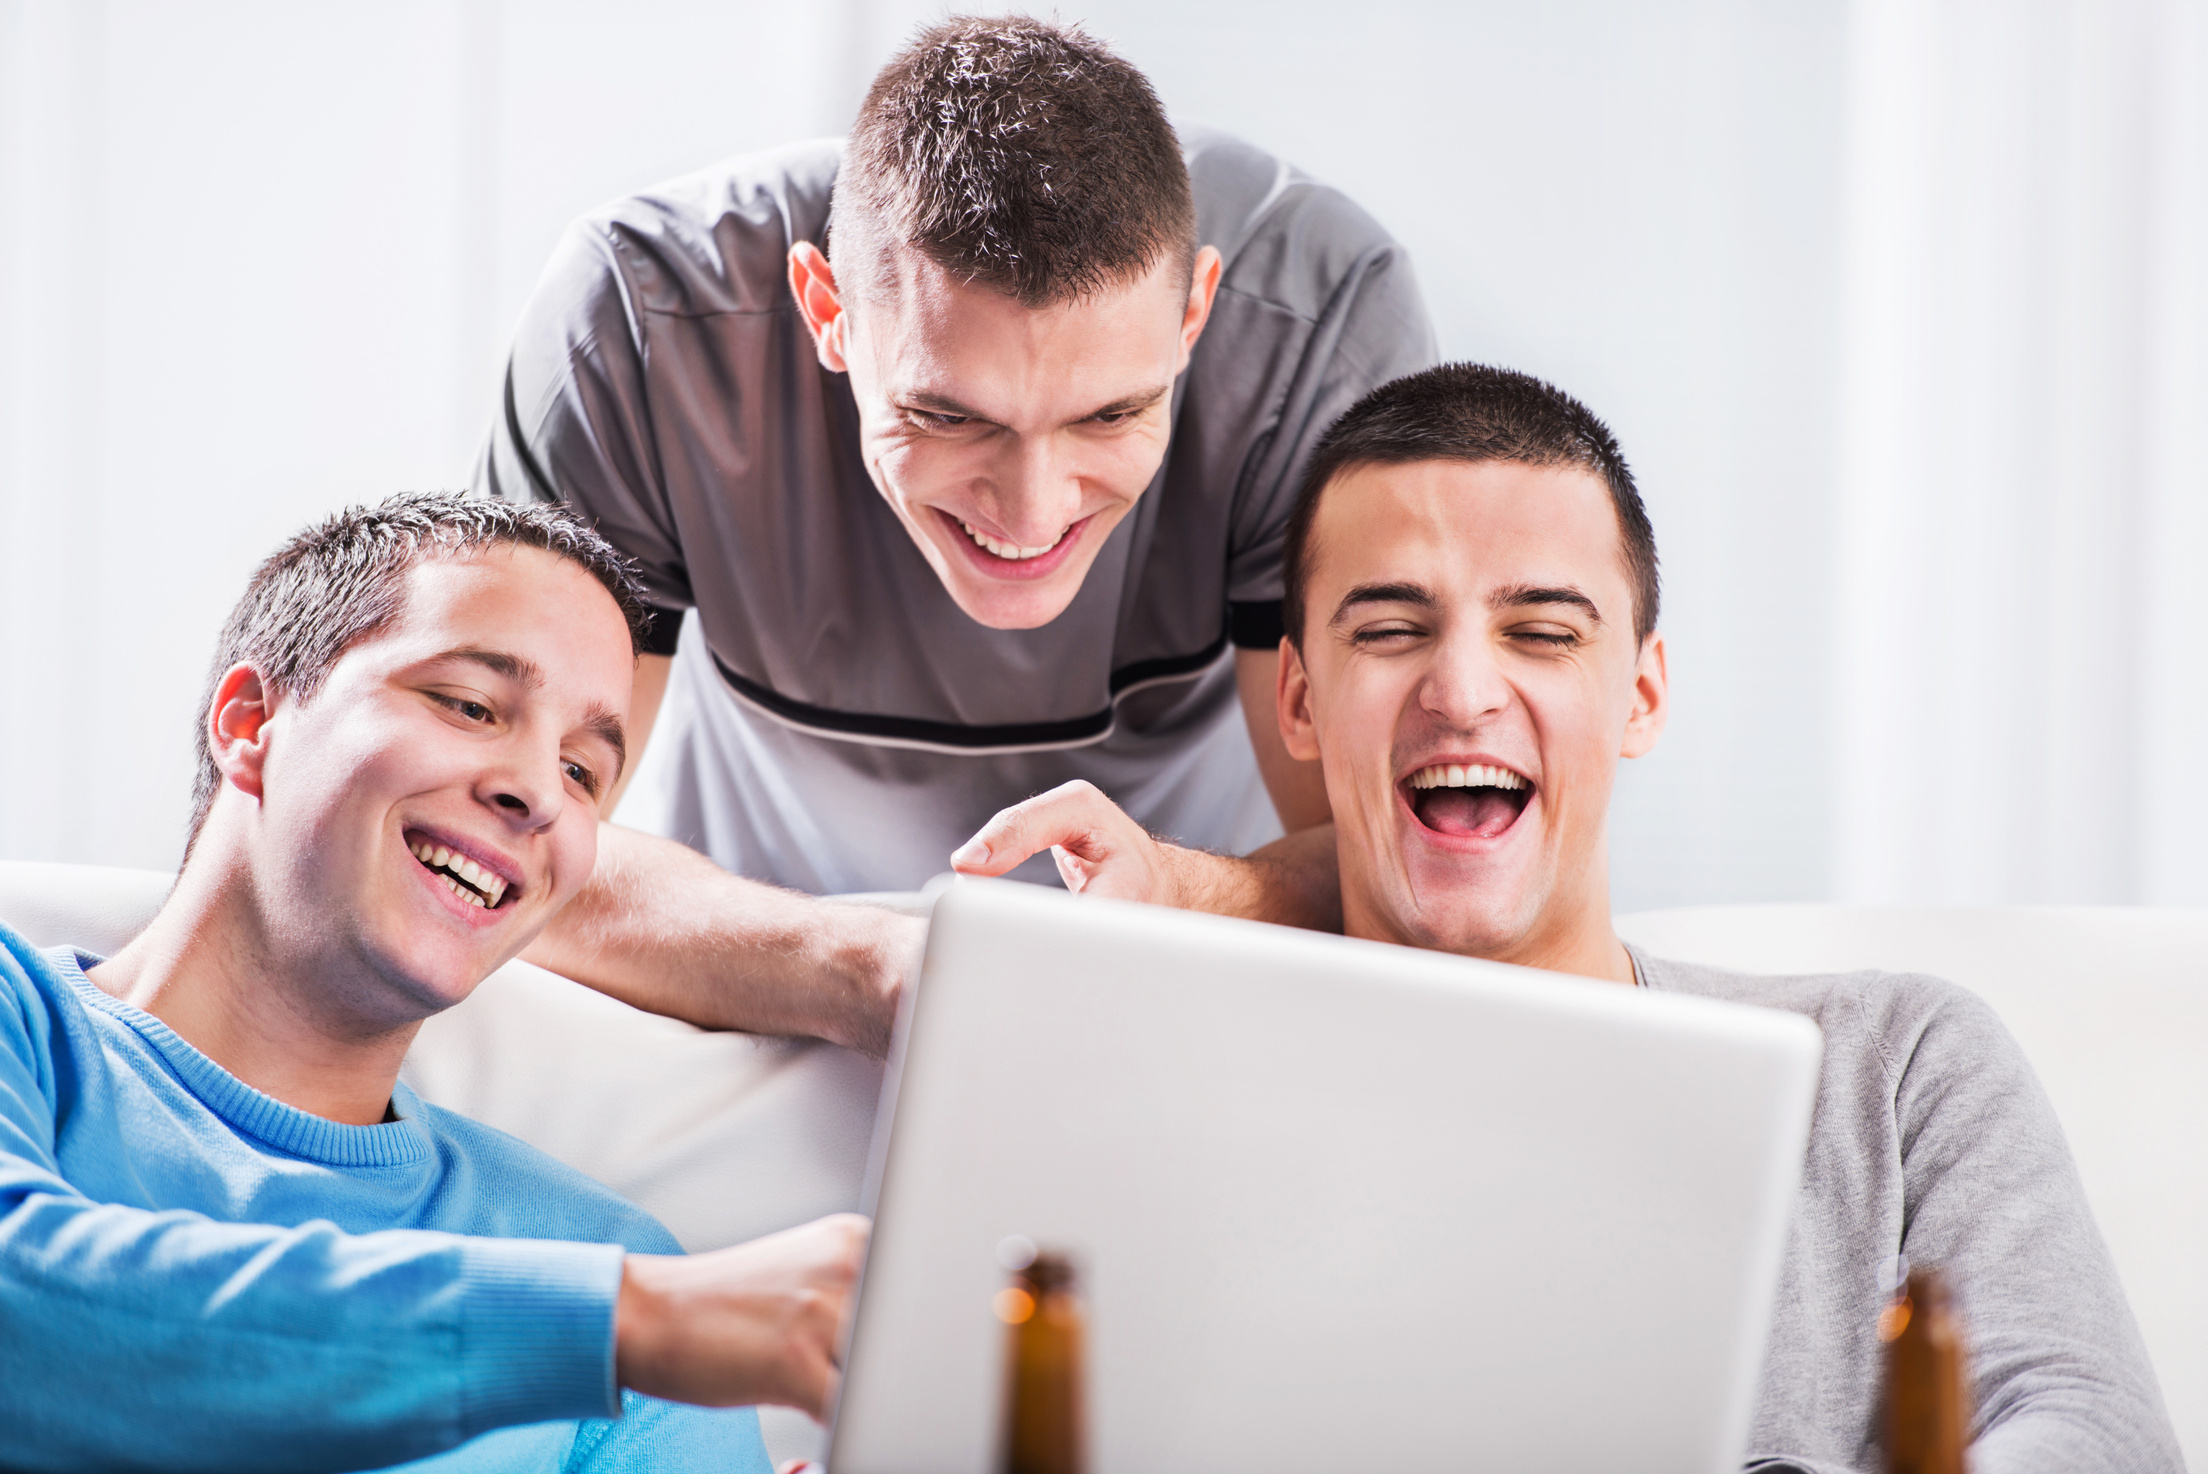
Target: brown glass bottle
x=1927, y=1404
x=1045, y=1423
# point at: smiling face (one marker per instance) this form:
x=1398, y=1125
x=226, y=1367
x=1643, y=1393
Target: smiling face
x=1009, y=440
x=1468, y=679
x=428, y=810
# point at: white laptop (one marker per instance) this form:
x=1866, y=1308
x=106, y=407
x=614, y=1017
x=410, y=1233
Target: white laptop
x=1335, y=1205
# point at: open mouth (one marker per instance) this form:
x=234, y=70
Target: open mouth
x=1007, y=551
x=1468, y=800
x=466, y=879
x=1009, y=560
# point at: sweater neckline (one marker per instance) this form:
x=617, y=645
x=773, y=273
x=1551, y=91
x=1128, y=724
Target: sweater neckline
x=254, y=1112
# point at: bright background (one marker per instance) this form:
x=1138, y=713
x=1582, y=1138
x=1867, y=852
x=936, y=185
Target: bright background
x=1900, y=308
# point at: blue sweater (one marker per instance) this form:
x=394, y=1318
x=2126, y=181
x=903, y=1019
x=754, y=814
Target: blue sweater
x=194, y=1275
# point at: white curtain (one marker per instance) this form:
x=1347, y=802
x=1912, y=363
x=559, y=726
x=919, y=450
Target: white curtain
x=2022, y=671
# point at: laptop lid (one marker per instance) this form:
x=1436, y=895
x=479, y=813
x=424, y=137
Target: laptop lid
x=1335, y=1204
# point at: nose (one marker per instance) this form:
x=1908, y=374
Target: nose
x=526, y=790
x=1464, y=687
x=1037, y=491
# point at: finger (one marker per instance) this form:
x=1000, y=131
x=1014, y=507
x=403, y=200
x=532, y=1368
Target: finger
x=1071, y=870
x=1075, y=815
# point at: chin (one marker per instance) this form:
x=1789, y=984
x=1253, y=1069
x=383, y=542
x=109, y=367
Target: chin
x=1472, y=920
x=1029, y=610
x=430, y=978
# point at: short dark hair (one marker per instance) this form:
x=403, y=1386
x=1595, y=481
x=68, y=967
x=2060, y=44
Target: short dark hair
x=1470, y=412
x=1018, y=154
x=343, y=580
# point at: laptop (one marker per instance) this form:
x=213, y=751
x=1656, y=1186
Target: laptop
x=1334, y=1205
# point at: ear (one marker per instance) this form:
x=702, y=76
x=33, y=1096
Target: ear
x=1203, y=286
x=1651, y=699
x=237, y=728
x=813, y=284
x=1298, y=732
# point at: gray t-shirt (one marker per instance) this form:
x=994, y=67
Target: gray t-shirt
x=834, y=722
x=1932, y=1138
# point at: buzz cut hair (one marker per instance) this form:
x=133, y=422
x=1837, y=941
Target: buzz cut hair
x=1471, y=412
x=1017, y=154
x=343, y=581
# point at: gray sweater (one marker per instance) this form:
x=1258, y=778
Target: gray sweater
x=1932, y=1138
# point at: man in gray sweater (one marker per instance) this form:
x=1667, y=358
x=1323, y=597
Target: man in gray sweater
x=1471, y=647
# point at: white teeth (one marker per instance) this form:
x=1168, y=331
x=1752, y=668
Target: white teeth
x=1466, y=775
x=1007, y=550
x=489, y=888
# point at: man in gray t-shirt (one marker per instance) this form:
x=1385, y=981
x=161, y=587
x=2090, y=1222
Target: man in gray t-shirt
x=1470, y=612
x=959, y=456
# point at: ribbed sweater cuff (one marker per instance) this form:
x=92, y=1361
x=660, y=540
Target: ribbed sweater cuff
x=536, y=1331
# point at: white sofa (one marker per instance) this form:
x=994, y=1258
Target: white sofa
x=726, y=1136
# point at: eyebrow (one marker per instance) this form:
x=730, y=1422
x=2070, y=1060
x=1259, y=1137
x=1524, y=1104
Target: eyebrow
x=1529, y=596
x=519, y=669
x=600, y=720
x=1385, y=593
x=929, y=400
x=601, y=723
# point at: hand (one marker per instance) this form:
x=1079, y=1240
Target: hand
x=753, y=1324
x=1099, y=850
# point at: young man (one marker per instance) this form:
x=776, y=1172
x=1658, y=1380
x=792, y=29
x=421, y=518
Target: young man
x=1470, y=648
x=229, y=1238
x=970, y=441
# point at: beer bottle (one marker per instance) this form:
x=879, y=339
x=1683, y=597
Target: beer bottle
x=1927, y=1404
x=1045, y=1428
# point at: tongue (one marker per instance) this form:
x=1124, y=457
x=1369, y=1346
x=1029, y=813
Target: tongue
x=1475, y=813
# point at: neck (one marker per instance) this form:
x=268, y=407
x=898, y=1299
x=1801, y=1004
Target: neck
x=1590, y=949
x=212, y=969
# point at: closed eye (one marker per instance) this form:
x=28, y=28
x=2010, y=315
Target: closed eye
x=1378, y=635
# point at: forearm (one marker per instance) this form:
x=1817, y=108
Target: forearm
x=661, y=927
x=1294, y=881
x=164, y=1340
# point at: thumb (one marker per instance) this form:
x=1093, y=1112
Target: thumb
x=1071, y=869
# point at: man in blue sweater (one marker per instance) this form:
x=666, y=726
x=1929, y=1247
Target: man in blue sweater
x=229, y=1238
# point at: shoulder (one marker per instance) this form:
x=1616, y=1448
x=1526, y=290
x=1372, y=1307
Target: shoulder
x=1284, y=237
x=1912, y=1022
x=521, y=1192
x=712, y=241
x=32, y=989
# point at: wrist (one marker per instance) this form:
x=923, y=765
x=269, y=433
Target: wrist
x=866, y=957
x=1197, y=880
x=639, y=1313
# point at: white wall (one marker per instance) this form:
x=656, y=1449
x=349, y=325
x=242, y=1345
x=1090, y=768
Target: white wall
x=258, y=259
